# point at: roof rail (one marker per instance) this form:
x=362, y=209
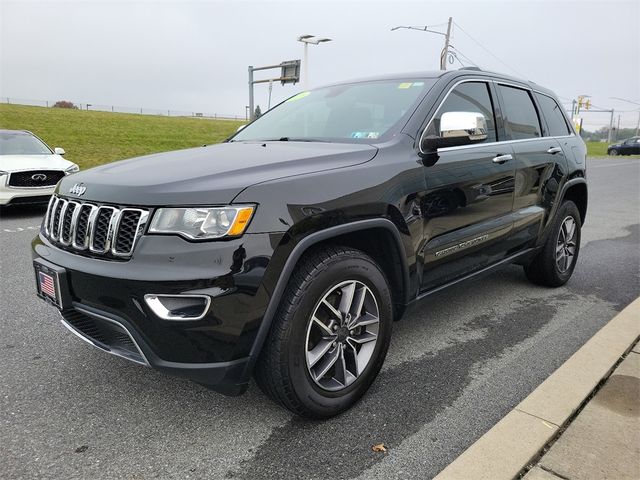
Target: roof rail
x=477, y=69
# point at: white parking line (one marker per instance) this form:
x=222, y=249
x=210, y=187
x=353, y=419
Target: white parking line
x=20, y=229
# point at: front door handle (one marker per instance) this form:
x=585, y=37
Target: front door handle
x=554, y=150
x=500, y=159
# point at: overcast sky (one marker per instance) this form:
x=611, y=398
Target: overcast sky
x=193, y=56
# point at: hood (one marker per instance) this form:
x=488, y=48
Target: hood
x=14, y=163
x=209, y=175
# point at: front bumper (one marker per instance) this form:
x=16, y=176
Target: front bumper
x=16, y=195
x=105, y=304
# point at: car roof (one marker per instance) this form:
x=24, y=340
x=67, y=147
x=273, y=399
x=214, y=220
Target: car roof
x=451, y=75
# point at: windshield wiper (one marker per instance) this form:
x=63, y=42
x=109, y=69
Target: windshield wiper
x=294, y=139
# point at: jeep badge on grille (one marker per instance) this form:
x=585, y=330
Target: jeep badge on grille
x=78, y=189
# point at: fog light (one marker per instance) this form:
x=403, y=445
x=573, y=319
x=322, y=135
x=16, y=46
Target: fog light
x=178, y=307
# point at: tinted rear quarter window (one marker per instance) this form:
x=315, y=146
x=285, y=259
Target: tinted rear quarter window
x=521, y=117
x=553, y=115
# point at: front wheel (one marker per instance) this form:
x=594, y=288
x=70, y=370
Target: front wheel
x=330, y=335
x=613, y=152
x=554, y=264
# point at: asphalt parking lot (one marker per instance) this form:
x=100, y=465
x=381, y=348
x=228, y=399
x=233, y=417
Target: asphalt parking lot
x=457, y=364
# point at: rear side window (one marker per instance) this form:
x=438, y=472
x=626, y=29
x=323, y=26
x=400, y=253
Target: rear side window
x=521, y=117
x=468, y=97
x=553, y=115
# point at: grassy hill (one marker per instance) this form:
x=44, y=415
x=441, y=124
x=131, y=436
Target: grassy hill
x=92, y=138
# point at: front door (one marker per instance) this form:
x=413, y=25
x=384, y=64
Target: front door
x=468, y=206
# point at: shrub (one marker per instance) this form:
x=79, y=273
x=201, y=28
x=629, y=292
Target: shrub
x=64, y=104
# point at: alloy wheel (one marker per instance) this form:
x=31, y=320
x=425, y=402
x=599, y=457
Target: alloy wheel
x=341, y=335
x=566, y=244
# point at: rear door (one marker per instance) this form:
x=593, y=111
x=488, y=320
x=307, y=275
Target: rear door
x=468, y=206
x=539, y=162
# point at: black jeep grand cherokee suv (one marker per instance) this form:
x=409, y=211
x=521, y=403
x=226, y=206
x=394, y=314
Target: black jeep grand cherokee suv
x=287, y=251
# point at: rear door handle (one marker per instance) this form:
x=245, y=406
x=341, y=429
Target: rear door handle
x=554, y=150
x=500, y=159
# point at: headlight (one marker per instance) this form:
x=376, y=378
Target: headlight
x=202, y=223
x=2, y=172
x=73, y=169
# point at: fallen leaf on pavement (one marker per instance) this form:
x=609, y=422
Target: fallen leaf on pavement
x=379, y=448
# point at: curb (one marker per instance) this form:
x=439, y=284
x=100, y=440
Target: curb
x=505, y=450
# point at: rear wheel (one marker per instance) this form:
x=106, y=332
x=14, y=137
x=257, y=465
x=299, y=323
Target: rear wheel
x=330, y=335
x=554, y=264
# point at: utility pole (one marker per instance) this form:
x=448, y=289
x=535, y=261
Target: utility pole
x=635, y=103
x=610, y=127
x=447, y=39
x=445, y=50
x=251, y=110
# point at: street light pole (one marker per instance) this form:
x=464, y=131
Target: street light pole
x=305, y=67
x=313, y=40
x=447, y=39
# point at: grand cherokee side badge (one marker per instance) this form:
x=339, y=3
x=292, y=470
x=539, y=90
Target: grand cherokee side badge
x=78, y=189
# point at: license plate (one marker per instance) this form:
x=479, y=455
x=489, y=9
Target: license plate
x=48, y=283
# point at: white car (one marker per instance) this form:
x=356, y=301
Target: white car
x=29, y=169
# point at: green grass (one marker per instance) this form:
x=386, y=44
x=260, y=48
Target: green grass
x=92, y=138
x=597, y=149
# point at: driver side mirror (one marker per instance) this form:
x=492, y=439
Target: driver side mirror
x=59, y=151
x=456, y=128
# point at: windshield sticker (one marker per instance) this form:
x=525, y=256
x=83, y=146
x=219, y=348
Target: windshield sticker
x=405, y=85
x=299, y=96
x=365, y=134
x=418, y=84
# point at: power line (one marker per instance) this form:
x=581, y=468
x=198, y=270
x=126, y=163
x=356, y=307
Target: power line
x=489, y=51
x=464, y=56
x=453, y=54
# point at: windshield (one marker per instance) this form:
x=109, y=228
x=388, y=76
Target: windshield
x=348, y=112
x=19, y=143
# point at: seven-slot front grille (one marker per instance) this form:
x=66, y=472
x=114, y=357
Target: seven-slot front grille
x=95, y=229
x=35, y=178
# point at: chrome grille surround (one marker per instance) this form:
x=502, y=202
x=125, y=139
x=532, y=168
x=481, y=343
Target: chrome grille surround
x=95, y=229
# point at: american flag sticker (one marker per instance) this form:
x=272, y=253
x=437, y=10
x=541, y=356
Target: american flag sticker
x=47, y=286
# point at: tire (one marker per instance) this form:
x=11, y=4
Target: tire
x=550, y=267
x=290, y=365
x=613, y=152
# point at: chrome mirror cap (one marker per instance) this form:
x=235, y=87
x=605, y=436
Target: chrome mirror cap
x=456, y=128
x=466, y=126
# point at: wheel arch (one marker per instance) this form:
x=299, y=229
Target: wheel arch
x=350, y=234
x=576, y=191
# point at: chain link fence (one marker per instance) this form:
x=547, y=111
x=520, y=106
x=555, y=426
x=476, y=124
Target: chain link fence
x=121, y=109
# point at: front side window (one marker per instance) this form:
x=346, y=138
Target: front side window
x=521, y=117
x=358, y=112
x=467, y=97
x=552, y=112
x=19, y=143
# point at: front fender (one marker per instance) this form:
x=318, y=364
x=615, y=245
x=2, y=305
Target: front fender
x=293, y=249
